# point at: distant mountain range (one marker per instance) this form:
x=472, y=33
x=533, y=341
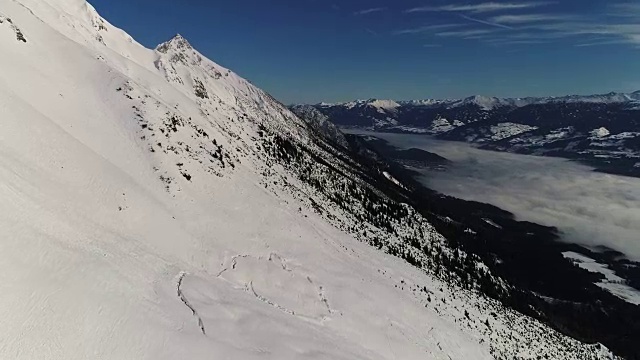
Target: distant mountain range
x=602, y=130
x=490, y=102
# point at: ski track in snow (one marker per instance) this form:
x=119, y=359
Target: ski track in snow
x=188, y=305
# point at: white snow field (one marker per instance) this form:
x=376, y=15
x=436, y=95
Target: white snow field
x=139, y=220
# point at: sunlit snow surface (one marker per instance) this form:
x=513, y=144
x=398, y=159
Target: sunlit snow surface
x=125, y=239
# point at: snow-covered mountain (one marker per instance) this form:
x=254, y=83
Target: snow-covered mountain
x=491, y=102
x=158, y=206
x=602, y=134
x=426, y=116
x=557, y=126
x=320, y=123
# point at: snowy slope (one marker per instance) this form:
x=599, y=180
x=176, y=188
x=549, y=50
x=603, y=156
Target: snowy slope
x=144, y=216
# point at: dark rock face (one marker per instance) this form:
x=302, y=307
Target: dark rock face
x=320, y=123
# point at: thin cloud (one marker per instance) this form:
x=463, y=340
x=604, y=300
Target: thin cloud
x=538, y=35
x=503, y=41
x=624, y=10
x=601, y=43
x=583, y=31
x=627, y=32
x=525, y=42
x=617, y=23
x=481, y=37
x=372, y=32
x=427, y=29
x=530, y=18
x=465, y=34
x=370, y=11
x=480, y=8
x=485, y=22
x=634, y=39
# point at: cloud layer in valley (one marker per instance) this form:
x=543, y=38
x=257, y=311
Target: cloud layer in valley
x=590, y=208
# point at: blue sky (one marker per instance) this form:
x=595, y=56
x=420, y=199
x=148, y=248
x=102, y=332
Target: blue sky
x=319, y=50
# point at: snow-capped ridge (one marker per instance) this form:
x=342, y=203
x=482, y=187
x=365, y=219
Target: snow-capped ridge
x=426, y=102
x=600, y=133
x=484, y=102
x=383, y=104
x=320, y=104
x=178, y=42
x=73, y=7
x=492, y=102
x=180, y=50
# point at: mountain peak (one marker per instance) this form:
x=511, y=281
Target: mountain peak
x=485, y=102
x=383, y=104
x=179, y=50
x=178, y=42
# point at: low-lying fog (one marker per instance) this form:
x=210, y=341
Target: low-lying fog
x=590, y=208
